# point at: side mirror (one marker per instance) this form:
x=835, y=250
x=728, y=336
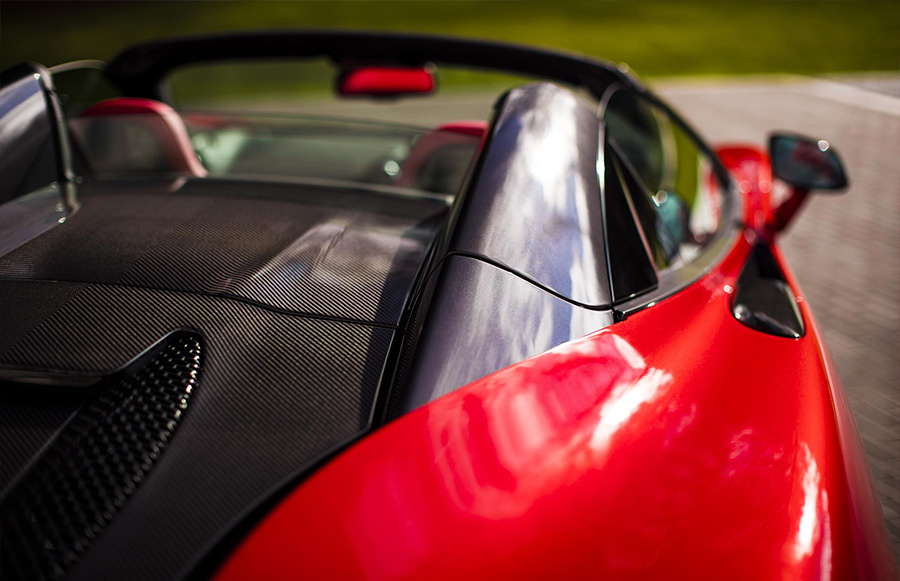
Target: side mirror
x=810, y=164
x=804, y=164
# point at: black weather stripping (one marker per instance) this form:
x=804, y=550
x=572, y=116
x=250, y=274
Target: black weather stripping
x=763, y=300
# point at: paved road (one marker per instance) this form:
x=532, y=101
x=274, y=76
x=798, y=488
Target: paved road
x=845, y=250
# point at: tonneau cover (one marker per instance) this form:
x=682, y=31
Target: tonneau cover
x=289, y=297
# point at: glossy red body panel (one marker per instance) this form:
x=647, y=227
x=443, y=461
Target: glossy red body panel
x=473, y=128
x=752, y=168
x=386, y=81
x=164, y=123
x=871, y=544
x=752, y=171
x=677, y=443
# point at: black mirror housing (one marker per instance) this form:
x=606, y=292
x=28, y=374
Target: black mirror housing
x=806, y=163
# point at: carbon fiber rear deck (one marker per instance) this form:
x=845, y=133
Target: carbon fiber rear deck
x=298, y=253
x=97, y=462
x=296, y=305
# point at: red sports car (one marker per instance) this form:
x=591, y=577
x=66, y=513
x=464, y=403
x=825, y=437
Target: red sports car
x=303, y=304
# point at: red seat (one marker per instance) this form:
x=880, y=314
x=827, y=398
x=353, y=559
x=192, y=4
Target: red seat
x=440, y=158
x=130, y=135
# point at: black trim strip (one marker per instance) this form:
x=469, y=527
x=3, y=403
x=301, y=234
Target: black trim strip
x=141, y=69
x=526, y=278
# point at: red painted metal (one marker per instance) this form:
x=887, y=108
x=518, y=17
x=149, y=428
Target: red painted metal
x=165, y=124
x=752, y=171
x=676, y=444
x=386, y=81
x=469, y=127
x=788, y=209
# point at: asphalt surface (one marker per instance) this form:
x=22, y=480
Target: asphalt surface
x=844, y=250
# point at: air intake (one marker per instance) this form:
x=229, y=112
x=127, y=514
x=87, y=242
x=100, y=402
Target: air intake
x=86, y=475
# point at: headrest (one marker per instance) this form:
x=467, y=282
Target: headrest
x=160, y=143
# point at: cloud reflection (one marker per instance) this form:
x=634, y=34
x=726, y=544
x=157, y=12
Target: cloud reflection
x=803, y=545
x=623, y=403
x=542, y=421
x=810, y=550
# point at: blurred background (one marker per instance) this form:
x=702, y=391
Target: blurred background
x=654, y=37
x=735, y=69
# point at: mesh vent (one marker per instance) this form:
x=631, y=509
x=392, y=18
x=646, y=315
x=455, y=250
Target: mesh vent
x=74, y=490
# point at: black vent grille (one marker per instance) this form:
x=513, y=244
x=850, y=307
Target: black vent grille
x=60, y=506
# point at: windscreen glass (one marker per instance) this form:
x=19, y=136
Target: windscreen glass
x=286, y=119
x=275, y=146
x=309, y=87
x=30, y=159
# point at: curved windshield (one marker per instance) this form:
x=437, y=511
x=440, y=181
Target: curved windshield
x=311, y=147
x=220, y=144
x=308, y=119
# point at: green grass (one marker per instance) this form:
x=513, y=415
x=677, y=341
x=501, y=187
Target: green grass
x=655, y=38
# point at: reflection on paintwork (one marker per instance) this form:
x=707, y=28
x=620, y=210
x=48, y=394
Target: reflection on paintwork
x=811, y=478
x=811, y=544
x=740, y=444
x=624, y=401
x=524, y=451
x=538, y=189
x=626, y=397
x=717, y=468
x=486, y=333
x=516, y=442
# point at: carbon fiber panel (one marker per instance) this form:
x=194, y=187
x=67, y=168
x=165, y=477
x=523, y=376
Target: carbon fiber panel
x=295, y=291
x=23, y=306
x=279, y=390
x=28, y=417
x=28, y=420
x=52, y=515
x=530, y=190
x=301, y=255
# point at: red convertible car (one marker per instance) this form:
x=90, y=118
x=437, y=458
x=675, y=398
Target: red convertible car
x=282, y=305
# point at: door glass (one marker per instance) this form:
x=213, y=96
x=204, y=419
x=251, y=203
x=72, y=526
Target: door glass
x=681, y=195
